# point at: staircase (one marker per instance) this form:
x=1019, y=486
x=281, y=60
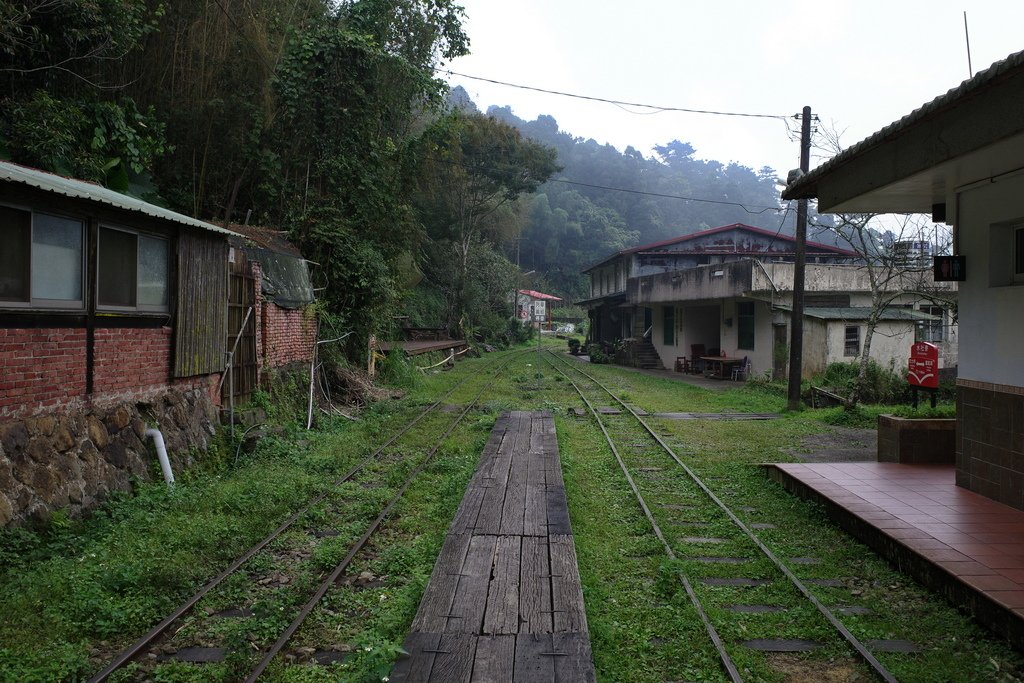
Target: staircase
x=646, y=356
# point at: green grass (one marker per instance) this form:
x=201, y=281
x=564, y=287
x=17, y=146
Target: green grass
x=79, y=591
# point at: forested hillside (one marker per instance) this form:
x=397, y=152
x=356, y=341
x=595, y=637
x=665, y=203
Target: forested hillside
x=327, y=120
x=604, y=200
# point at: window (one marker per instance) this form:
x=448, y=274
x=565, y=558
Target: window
x=851, y=347
x=1018, y=254
x=668, y=319
x=932, y=330
x=41, y=260
x=132, y=271
x=745, y=325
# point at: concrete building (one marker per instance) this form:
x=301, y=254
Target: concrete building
x=612, y=318
x=730, y=289
x=743, y=308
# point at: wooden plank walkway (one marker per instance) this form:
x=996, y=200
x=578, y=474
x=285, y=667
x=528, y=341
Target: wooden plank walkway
x=504, y=602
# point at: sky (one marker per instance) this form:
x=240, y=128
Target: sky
x=859, y=65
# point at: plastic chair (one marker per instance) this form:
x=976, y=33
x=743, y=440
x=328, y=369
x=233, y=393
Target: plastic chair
x=742, y=371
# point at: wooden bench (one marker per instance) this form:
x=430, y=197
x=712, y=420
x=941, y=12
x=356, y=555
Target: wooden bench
x=504, y=598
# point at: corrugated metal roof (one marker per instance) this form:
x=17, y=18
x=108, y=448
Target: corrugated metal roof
x=80, y=189
x=806, y=186
x=539, y=295
x=654, y=247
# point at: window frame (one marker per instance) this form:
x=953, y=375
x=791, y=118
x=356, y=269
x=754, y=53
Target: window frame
x=933, y=330
x=668, y=323
x=144, y=309
x=57, y=305
x=1017, y=253
x=751, y=318
x=846, y=341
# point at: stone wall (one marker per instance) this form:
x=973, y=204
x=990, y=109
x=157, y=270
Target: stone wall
x=74, y=459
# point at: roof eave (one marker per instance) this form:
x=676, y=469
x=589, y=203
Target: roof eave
x=964, y=121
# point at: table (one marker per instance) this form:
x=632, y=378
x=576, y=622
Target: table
x=719, y=366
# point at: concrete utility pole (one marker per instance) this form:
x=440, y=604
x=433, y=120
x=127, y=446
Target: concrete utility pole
x=796, y=338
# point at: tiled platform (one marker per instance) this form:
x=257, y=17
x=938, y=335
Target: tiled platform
x=504, y=602
x=966, y=546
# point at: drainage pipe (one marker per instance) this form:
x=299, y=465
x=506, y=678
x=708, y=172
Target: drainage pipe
x=161, y=453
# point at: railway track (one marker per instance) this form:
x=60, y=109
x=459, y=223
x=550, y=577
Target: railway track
x=276, y=570
x=660, y=480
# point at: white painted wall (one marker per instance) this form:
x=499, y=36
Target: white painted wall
x=991, y=333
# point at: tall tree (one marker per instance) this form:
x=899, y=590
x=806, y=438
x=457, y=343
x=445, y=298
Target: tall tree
x=473, y=166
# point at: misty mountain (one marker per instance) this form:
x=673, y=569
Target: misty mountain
x=604, y=200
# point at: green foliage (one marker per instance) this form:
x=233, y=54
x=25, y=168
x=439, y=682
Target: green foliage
x=597, y=354
x=398, y=371
x=924, y=412
x=106, y=142
x=882, y=385
x=471, y=168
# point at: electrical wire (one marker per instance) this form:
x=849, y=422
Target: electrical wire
x=672, y=196
x=610, y=101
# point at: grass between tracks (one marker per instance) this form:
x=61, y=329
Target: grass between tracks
x=76, y=593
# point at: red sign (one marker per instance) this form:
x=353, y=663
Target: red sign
x=924, y=366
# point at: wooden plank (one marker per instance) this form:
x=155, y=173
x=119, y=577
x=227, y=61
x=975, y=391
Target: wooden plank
x=535, y=586
x=453, y=662
x=439, y=594
x=489, y=520
x=415, y=666
x=534, y=663
x=498, y=434
x=513, y=509
x=535, y=519
x=577, y=664
x=467, y=613
x=469, y=510
x=502, y=615
x=495, y=659
x=566, y=591
x=558, y=512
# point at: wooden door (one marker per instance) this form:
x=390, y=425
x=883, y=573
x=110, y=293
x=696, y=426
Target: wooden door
x=241, y=297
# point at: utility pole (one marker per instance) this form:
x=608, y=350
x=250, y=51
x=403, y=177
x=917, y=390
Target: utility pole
x=796, y=324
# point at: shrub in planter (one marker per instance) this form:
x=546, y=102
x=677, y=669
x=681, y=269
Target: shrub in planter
x=574, y=346
x=597, y=355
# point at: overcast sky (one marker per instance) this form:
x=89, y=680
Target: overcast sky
x=859, y=64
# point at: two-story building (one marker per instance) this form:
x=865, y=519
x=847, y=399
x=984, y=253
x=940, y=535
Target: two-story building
x=729, y=289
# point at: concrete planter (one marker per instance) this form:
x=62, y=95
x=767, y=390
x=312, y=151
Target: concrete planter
x=917, y=441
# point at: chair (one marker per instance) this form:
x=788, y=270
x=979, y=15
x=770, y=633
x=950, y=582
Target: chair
x=696, y=364
x=742, y=371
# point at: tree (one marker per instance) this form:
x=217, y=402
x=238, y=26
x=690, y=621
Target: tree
x=472, y=167
x=65, y=107
x=892, y=270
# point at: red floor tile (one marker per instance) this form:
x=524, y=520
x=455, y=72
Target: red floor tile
x=967, y=568
x=975, y=539
x=992, y=583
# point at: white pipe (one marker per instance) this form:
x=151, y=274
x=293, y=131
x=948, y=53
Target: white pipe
x=161, y=453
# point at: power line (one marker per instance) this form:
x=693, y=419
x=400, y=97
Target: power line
x=610, y=101
x=671, y=196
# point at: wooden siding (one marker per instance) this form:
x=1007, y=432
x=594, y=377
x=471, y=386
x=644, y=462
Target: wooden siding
x=202, y=304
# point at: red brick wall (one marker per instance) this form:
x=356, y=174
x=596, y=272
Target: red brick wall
x=283, y=336
x=288, y=335
x=136, y=360
x=40, y=369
